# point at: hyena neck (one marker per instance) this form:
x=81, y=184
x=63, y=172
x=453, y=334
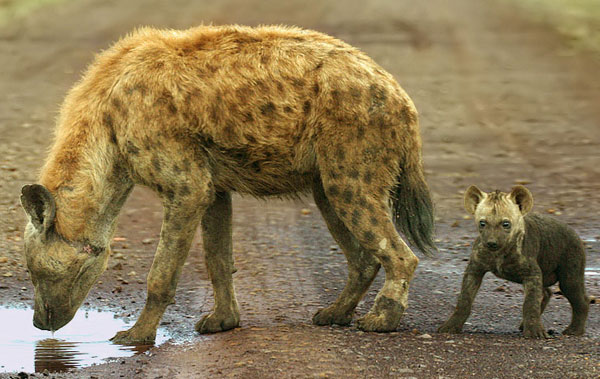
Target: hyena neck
x=90, y=184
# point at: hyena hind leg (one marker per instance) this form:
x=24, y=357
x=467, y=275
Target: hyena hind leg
x=362, y=265
x=574, y=290
x=366, y=214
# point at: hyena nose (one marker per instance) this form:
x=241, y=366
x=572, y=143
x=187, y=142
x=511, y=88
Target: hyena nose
x=492, y=245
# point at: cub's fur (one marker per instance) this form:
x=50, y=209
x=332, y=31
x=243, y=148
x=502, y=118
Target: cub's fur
x=531, y=249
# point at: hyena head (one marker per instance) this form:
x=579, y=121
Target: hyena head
x=499, y=215
x=62, y=272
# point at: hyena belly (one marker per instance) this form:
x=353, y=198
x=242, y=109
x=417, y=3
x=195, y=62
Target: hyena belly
x=256, y=111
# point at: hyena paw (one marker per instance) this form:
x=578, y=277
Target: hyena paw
x=134, y=336
x=449, y=327
x=378, y=323
x=213, y=323
x=331, y=316
x=535, y=331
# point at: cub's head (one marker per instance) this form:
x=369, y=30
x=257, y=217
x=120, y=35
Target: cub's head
x=62, y=271
x=498, y=215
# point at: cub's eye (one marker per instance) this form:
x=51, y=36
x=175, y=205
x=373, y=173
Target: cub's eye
x=506, y=224
x=482, y=224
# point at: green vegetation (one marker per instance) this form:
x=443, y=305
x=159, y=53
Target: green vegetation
x=14, y=9
x=577, y=20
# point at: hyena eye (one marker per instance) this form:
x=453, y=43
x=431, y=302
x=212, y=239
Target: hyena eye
x=506, y=224
x=482, y=224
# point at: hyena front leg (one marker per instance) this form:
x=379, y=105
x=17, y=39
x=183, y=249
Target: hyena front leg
x=217, y=239
x=362, y=266
x=183, y=209
x=532, y=306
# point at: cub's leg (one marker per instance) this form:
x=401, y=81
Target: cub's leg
x=532, y=321
x=362, y=265
x=470, y=285
x=572, y=286
x=547, y=294
x=217, y=239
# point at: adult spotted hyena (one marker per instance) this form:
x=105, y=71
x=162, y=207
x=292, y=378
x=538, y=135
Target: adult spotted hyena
x=522, y=247
x=198, y=114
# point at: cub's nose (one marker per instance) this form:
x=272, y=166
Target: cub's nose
x=492, y=245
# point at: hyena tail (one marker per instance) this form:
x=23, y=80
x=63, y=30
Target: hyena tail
x=412, y=206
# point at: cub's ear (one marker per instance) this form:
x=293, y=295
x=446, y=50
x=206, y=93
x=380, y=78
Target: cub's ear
x=523, y=198
x=39, y=205
x=473, y=196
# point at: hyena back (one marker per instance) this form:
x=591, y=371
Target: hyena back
x=198, y=114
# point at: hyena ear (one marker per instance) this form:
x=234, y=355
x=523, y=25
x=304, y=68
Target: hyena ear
x=473, y=196
x=523, y=198
x=39, y=205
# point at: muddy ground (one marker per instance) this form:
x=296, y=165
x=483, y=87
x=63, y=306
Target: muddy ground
x=501, y=100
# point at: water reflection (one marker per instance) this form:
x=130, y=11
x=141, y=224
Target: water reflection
x=83, y=342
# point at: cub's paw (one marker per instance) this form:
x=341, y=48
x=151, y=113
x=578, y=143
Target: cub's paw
x=571, y=331
x=449, y=327
x=331, y=316
x=211, y=323
x=134, y=336
x=535, y=331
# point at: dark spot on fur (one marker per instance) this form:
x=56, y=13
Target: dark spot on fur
x=394, y=134
x=159, y=188
x=353, y=173
x=347, y=196
x=336, y=96
x=172, y=108
x=170, y=194
x=319, y=65
x=384, y=259
x=394, y=245
x=255, y=166
x=132, y=149
x=176, y=168
x=248, y=117
x=333, y=174
x=316, y=88
x=113, y=136
x=267, y=108
x=333, y=190
x=362, y=201
x=184, y=190
x=369, y=236
x=264, y=59
x=356, y=217
x=287, y=109
x=306, y=106
x=368, y=177
x=370, y=207
x=374, y=221
x=156, y=163
x=250, y=138
x=116, y=103
x=107, y=119
x=342, y=213
x=298, y=82
x=378, y=97
x=360, y=132
x=340, y=154
x=355, y=93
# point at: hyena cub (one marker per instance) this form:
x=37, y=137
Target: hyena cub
x=531, y=249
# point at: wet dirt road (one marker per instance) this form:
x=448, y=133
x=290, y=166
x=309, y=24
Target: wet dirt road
x=501, y=101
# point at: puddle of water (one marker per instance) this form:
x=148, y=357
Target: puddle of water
x=82, y=342
x=592, y=271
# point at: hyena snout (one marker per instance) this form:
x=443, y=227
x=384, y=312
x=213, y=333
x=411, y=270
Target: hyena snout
x=492, y=245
